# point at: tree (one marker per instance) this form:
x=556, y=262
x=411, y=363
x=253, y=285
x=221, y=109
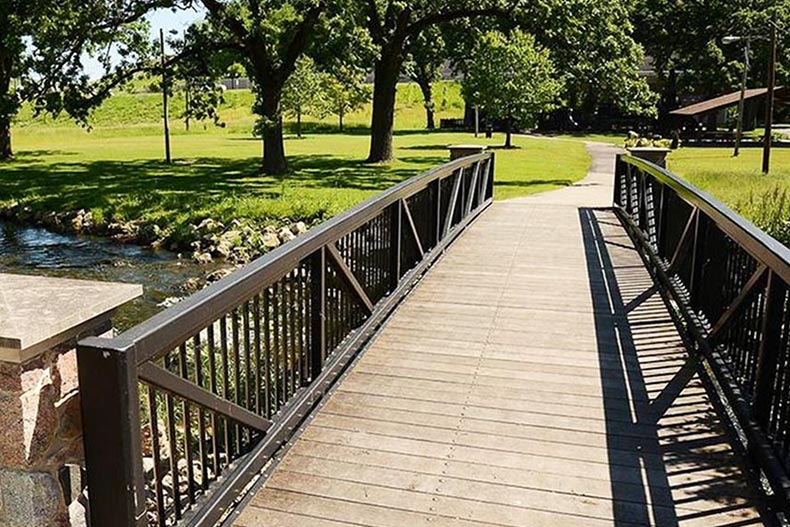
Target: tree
x=427, y=56
x=268, y=37
x=511, y=79
x=344, y=93
x=592, y=44
x=392, y=25
x=303, y=91
x=590, y=41
x=42, y=44
x=684, y=40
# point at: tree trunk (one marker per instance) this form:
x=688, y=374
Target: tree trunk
x=5, y=139
x=385, y=84
x=340, y=120
x=274, y=162
x=299, y=124
x=427, y=95
x=5, y=106
x=509, y=132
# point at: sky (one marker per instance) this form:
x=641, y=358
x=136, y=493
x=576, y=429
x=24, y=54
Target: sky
x=159, y=19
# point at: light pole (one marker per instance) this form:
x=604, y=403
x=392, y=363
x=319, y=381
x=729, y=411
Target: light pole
x=769, y=103
x=168, y=159
x=744, y=80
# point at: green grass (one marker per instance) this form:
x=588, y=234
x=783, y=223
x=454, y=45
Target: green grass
x=140, y=113
x=731, y=179
x=740, y=183
x=116, y=171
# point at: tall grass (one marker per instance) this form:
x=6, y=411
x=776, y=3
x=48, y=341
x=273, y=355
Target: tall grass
x=770, y=211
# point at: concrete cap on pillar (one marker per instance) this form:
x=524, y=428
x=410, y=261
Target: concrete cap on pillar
x=457, y=151
x=38, y=313
x=654, y=154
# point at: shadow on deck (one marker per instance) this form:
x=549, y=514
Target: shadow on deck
x=670, y=459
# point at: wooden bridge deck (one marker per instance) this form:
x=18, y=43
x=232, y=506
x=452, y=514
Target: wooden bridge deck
x=514, y=388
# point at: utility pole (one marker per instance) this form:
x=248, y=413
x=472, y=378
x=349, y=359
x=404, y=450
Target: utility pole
x=164, y=97
x=769, y=102
x=741, y=102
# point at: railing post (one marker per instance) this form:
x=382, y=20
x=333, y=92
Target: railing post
x=661, y=223
x=395, y=244
x=491, y=172
x=438, y=215
x=111, y=434
x=317, y=312
x=618, y=175
x=767, y=358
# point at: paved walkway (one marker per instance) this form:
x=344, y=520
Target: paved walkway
x=513, y=388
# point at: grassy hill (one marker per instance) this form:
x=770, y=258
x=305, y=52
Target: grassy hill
x=140, y=113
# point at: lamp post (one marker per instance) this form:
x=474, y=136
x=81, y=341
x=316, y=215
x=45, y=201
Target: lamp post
x=769, y=96
x=769, y=103
x=744, y=80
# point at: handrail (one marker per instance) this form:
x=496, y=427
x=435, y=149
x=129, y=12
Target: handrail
x=180, y=320
x=759, y=244
x=217, y=383
x=729, y=281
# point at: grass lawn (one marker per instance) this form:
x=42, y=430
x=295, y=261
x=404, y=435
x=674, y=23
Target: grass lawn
x=740, y=183
x=116, y=170
x=731, y=179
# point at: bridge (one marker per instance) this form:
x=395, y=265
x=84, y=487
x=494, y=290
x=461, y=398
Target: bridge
x=612, y=353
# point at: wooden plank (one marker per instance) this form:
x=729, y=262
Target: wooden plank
x=499, y=394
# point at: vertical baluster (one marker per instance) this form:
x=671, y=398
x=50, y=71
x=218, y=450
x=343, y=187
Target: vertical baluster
x=767, y=359
x=234, y=325
x=153, y=419
x=270, y=397
x=212, y=369
x=247, y=357
x=223, y=343
x=278, y=346
x=187, y=427
x=201, y=415
x=317, y=312
x=300, y=325
x=172, y=440
x=285, y=338
x=395, y=245
x=256, y=310
x=292, y=330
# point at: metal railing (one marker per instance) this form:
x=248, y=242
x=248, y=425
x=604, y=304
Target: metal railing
x=728, y=281
x=182, y=412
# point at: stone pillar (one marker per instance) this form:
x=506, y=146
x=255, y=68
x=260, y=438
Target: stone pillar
x=41, y=455
x=457, y=151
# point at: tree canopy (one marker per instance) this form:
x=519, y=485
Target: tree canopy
x=685, y=40
x=42, y=48
x=511, y=78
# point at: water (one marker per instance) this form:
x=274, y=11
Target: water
x=34, y=250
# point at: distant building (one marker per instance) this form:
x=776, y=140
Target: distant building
x=711, y=114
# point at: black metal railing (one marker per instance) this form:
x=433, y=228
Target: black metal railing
x=728, y=281
x=182, y=412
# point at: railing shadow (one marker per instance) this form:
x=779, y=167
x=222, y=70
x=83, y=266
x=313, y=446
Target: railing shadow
x=670, y=465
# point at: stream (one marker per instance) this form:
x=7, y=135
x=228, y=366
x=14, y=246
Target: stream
x=37, y=251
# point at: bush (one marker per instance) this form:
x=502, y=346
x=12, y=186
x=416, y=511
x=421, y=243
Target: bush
x=635, y=140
